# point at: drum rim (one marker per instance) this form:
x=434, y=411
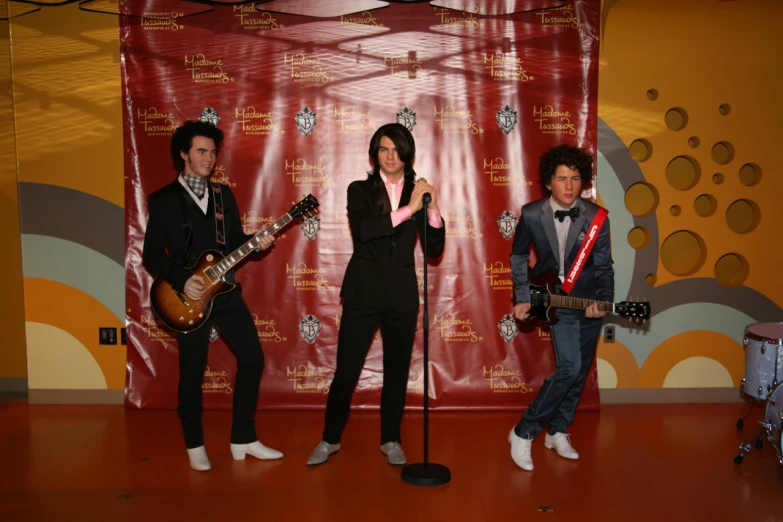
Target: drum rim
x=769, y=403
x=765, y=340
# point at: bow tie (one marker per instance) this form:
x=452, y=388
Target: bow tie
x=573, y=213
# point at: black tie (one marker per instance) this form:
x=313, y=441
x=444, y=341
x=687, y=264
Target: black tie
x=573, y=213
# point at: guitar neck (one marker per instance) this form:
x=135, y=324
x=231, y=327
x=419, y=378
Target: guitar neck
x=231, y=260
x=578, y=303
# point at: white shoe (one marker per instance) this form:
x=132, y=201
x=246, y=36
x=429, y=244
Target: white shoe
x=561, y=442
x=254, y=449
x=520, y=451
x=198, y=459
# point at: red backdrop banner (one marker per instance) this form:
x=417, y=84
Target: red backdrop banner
x=298, y=99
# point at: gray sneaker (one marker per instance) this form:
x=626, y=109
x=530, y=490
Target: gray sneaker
x=321, y=453
x=395, y=454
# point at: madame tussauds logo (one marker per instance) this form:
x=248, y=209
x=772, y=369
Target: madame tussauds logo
x=156, y=123
x=364, y=18
x=461, y=226
x=505, y=381
x=352, y=121
x=306, y=380
x=420, y=279
x=455, y=329
x=405, y=66
x=219, y=176
x=551, y=121
x=216, y=382
x=256, y=123
x=251, y=222
x=304, y=174
x=155, y=330
x=304, y=69
x=206, y=70
x=305, y=278
x=161, y=21
x=560, y=17
x=267, y=330
x=452, y=120
x=498, y=275
x=248, y=19
x=459, y=18
x=503, y=67
x=504, y=174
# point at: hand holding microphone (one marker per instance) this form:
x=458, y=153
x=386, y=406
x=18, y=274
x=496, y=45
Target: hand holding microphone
x=422, y=192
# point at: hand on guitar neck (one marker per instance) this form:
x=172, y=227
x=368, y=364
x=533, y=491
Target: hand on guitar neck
x=196, y=287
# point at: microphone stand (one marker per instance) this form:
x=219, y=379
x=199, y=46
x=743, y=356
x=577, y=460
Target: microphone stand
x=426, y=473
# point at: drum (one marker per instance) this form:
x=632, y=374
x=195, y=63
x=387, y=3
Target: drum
x=773, y=416
x=763, y=359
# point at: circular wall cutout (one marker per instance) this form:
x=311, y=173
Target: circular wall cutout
x=731, y=270
x=683, y=253
x=640, y=150
x=638, y=238
x=651, y=279
x=724, y=109
x=693, y=142
x=675, y=210
x=641, y=199
x=749, y=174
x=682, y=172
x=676, y=118
x=652, y=94
x=717, y=178
x=705, y=205
x=743, y=216
x=722, y=152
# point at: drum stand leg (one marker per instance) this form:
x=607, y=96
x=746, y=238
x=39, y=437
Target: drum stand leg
x=741, y=420
x=757, y=440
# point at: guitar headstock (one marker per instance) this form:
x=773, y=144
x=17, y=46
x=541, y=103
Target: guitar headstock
x=305, y=207
x=634, y=309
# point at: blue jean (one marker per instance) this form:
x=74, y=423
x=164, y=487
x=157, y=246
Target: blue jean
x=574, y=338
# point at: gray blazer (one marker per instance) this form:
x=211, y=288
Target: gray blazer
x=537, y=226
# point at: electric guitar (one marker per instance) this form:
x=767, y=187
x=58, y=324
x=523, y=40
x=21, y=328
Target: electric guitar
x=543, y=299
x=181, y=313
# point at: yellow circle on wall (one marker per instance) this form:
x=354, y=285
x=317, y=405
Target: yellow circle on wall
x=682, y=253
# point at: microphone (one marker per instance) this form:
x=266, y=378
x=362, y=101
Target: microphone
x=426, y=198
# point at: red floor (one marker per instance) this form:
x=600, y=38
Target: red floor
x=639, y=463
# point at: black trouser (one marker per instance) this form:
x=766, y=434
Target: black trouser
x=233, y=319
x=574, y=338
x=357, y=327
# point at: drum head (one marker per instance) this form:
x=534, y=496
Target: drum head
x=767, y=332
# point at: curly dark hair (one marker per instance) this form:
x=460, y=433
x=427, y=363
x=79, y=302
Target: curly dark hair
x=182, y=139
x=569, y=155
x=406, y=148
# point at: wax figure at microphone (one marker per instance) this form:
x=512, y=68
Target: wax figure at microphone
x=380, y=287
x=557, y=226
x=183, y=223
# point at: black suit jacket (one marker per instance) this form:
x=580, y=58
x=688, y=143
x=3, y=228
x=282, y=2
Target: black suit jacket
x=166, y=250
x=381, y=272
x=537, y=225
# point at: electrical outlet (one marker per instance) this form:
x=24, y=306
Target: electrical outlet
x=123, y=337
x=107, y=335
x=609, y=333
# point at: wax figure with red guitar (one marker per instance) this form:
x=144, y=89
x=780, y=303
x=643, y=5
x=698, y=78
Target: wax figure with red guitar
x=192, y=224
x=558, y=227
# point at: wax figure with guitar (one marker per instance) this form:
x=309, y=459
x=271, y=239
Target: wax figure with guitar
x=571, y=240
x=193, y=239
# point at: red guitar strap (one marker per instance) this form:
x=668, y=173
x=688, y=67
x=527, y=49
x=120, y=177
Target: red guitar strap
x=220, y=224
x=587, y=246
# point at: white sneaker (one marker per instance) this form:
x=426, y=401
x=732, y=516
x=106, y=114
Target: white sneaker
x=254, y=449
x=520, y=451
x=561, y=442
x=198, y=459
